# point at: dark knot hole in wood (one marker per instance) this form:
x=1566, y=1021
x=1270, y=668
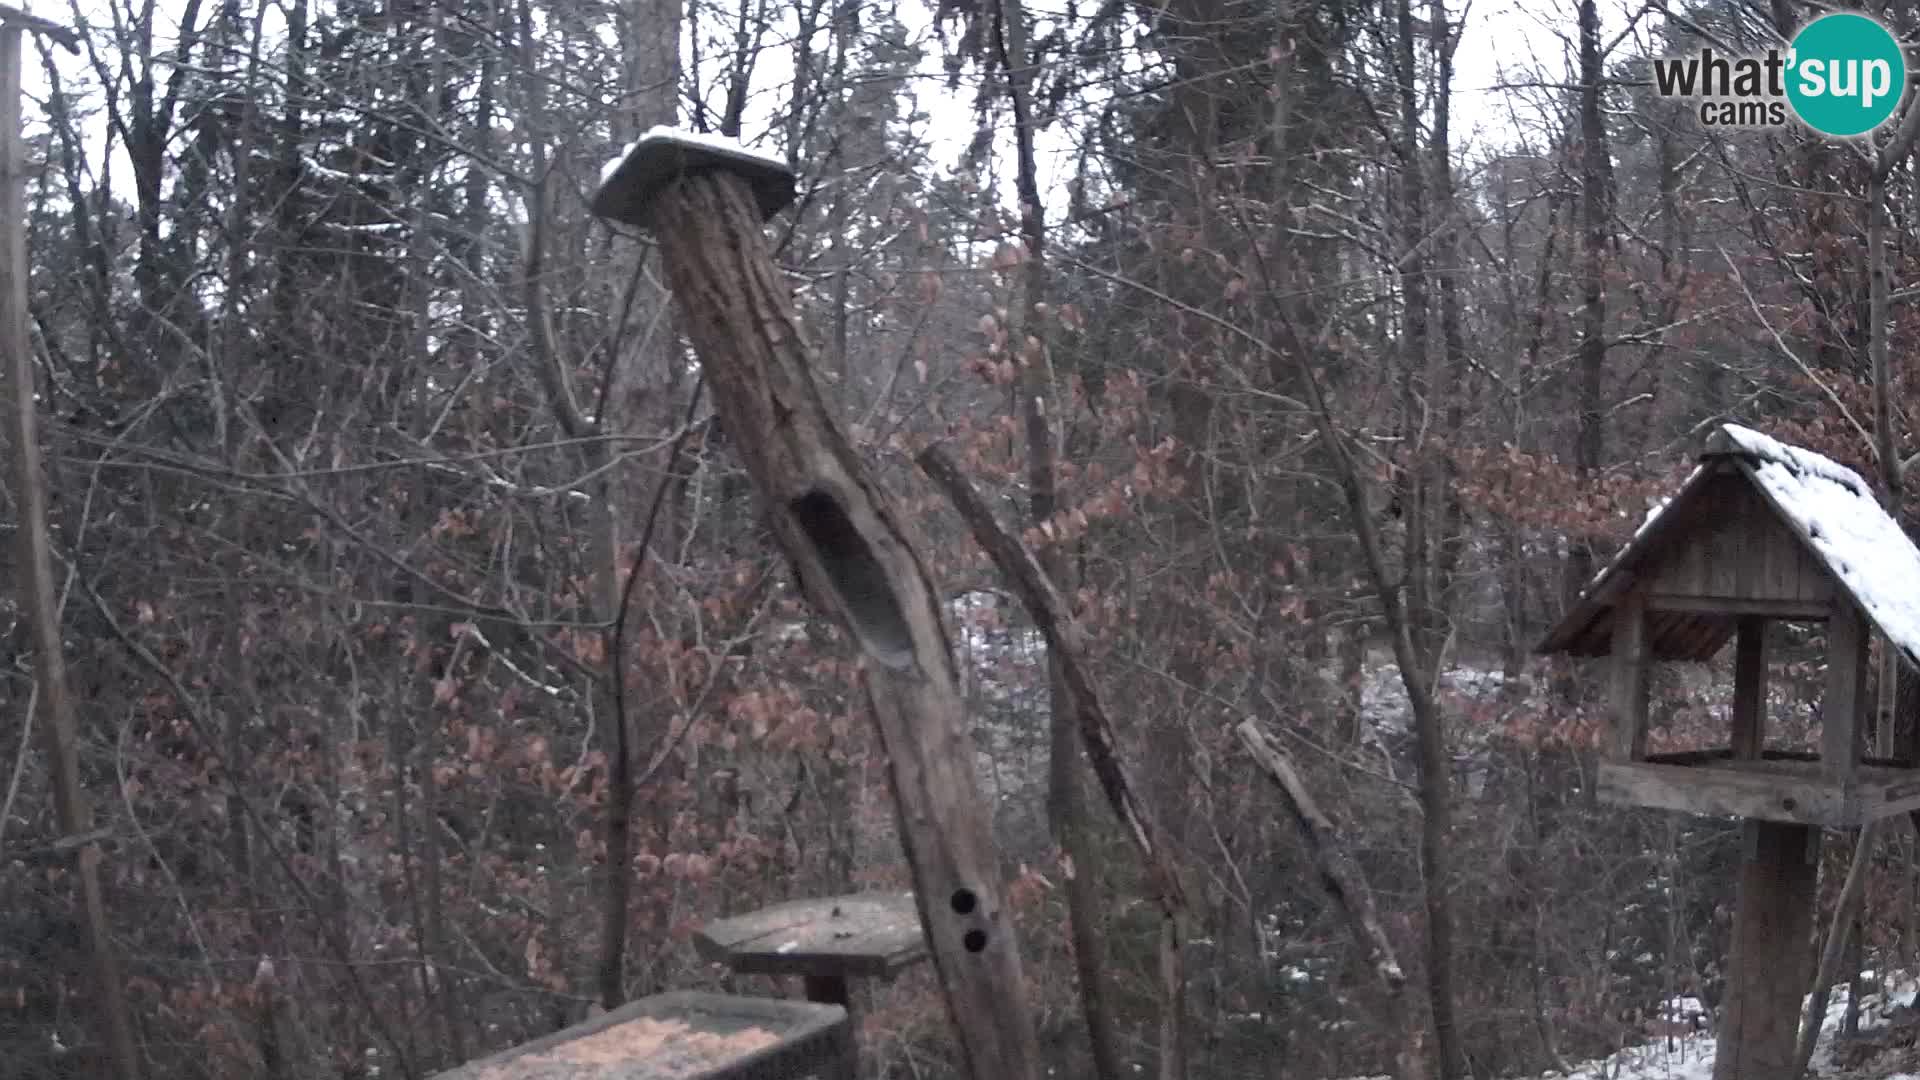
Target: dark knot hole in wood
x=975, y=940
x=857, y=576
x=964, y=901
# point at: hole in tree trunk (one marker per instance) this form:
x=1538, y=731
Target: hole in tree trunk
x=856, y=576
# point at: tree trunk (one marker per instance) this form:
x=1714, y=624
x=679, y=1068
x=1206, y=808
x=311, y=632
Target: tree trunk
x=39, y=605
x=856, y=560
x=1030, y=339
x=1596, y=180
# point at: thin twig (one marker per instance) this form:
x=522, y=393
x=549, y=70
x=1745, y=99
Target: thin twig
x=1787, y=351
x=19, y=763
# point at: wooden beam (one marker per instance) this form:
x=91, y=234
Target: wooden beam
x=1846, y=692
x=34, y=552
x=1630, y=669
x=859, y=562
x=1750, y=687
x=1696, y=789
x=1794, y=610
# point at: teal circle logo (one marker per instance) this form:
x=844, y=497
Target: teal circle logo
x=1846, y=74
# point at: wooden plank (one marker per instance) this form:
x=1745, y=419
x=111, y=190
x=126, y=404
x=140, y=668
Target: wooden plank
x=1630, y=666
x=1802, y=763
x=1771, y=957
x=1890, y=800
x=1750, y=688
x=1729, y=793
x=1793, y=609
x=865, y=935
x=1690, y=757
x=680, y=1036
x=1734, y=545
x=1846, y=692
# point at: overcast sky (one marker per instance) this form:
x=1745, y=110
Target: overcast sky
x=1504, y=40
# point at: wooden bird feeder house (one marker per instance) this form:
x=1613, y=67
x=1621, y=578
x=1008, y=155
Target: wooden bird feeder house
x=1761, y=531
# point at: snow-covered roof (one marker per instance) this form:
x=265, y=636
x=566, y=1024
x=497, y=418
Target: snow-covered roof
x=666, y=133
x=1831, y=508
x=1827, y=506
x=664, y=153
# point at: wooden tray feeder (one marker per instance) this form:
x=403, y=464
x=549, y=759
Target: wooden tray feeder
x=1760, y=531
x=682, y=1036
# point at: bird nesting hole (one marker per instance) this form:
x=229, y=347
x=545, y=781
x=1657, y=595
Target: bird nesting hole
x=856, y=576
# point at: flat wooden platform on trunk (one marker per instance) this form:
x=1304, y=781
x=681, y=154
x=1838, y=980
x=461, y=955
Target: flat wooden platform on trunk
x=1780, y=786
x=681, y=1036
x=858, y=936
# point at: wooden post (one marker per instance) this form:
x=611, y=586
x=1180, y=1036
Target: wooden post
x=855, y=557
x=828, y=943
x=1846, y=695
x=1750, y=688
x=1771, y=953
x=833, y=990
x=34, y=547
x=1629, y=737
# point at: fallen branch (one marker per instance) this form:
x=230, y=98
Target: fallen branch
x=1345, y=885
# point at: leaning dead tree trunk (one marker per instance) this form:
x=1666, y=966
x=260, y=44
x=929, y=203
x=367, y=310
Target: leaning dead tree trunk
x=35, y=550
x=1348, y=889
x=705, y=201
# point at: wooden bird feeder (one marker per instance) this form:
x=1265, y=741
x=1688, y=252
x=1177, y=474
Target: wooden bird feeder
x=1761, y=531
x=682, y=1036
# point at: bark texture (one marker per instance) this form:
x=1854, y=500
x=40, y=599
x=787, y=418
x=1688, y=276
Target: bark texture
x=856, y=560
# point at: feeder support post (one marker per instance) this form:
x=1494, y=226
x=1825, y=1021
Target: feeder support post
x=857, y=558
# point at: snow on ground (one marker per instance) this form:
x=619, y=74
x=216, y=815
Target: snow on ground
x=1383, y=696
x=1690, y=1057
